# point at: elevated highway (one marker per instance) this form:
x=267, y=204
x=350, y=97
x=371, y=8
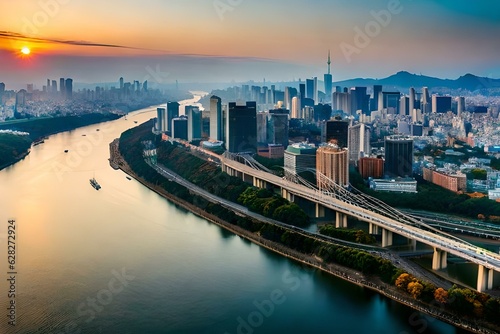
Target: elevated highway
x=377, y=214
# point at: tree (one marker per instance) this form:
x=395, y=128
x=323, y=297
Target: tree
x=415, y=288
x=441, y=295
x=403, y=280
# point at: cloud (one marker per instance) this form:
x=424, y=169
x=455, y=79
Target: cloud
x=17, y=36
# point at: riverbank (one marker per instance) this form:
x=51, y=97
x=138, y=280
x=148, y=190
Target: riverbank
x=11, y=152
x=344, y=273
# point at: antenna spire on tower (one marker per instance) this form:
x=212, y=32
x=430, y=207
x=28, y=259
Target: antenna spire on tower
x=329, y=62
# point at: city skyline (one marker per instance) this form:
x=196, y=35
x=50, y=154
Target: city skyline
x=222, y=40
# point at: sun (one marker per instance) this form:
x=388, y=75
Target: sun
x=25, y=51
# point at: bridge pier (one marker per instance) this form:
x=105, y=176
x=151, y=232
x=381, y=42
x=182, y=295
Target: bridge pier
x=319, y=211
x=386, y=238
x=374, y=229
x=288, y=196
x=439, y=259
x=340, y=220
x=484, y=279
x=413, y=244
x=259, y=183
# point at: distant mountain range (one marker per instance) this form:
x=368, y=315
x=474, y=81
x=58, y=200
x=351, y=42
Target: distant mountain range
x=405, y=79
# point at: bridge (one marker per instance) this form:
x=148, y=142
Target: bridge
x=377, y=214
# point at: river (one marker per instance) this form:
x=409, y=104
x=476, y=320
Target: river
x=125, y=260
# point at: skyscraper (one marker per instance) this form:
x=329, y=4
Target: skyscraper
x=332, y=162
x=69, y=88
x=426, y=101
x=391, y=102
x=310, y=89
x=277, y=127
x=62, y=87
x=359, y=100
x=336, y=131
x=441, y=104
x=180, y=128
x=161, y=119
x=359, y=142
x=398, y=156
x=216, y=119
x=172, y=112
x=296, y=108
x=377, y=89
x=54, y=86
x=315, y=90
x=121, y=83
x=195, y=122
x=242, y=127
x=328, y=81
x=460, y=105
x=411, y=102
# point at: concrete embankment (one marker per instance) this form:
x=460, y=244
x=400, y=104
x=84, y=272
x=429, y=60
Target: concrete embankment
x=348, y=274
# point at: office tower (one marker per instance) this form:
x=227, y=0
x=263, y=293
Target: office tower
x=241, y=127
x=411, y=102
x=460, y=105
x=302, y=90
x=262, y=127
x=180, y=128
x=332, y=162
x=2, y=87
x=121, y=83
x=337, y=131
x=377, y=89
x=20, y=100
x=161, y=119
x=49, y=89
x=216, y=119
x=273, y=98
x=359, y=142
x=404, y=105
x=299, y=157
x=426, y=101
x=359, y=100
x=328, y=80
x=398, y=156
x=296, y=108
x=288, y=100
x=441, y=104
x=341, y=102
x=315, y=90
x=68, y=85
x=195, y=122
x=371, y=167
x=145, y=86
x=54, y=86
x=172, y=112
x=391, y=102
x=310, y=89
x=62, y=86
x=277, y=128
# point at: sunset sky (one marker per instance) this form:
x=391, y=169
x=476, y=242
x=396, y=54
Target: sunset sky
x=224, y=40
